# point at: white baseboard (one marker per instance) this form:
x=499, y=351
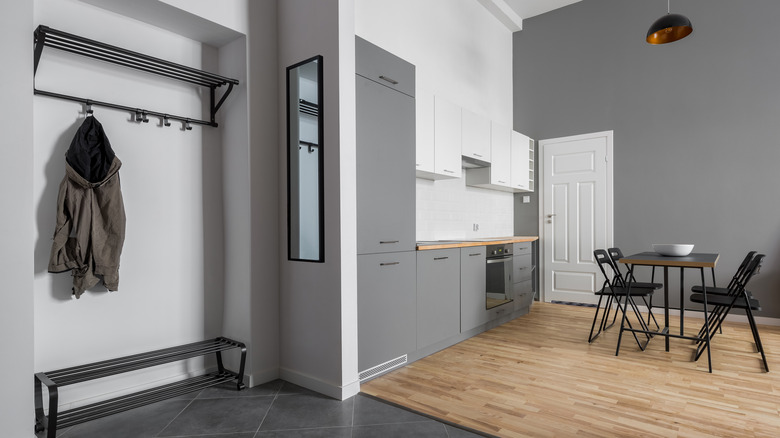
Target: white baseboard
x=339, y=392
x=260, y=377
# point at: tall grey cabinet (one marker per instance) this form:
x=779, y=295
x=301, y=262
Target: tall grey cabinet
x=385, y=208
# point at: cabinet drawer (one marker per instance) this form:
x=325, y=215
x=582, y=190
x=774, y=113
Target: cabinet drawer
x=374, y=63
x=524, y=300
x=520, y=248
x=522, y=268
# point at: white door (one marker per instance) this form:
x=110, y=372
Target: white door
x=576, y=214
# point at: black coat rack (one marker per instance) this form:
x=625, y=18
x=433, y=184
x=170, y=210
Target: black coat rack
x=57, y=39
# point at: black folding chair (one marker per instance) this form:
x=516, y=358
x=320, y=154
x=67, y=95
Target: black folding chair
x=613, y=289
x=725, y=290
x=616, y=254
x=737, y=297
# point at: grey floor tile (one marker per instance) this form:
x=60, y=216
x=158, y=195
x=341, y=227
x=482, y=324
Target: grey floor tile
x=144, y=422
x=327, y=432
x=226, y=390
x=401, y=430
x=221, y=435
x=370, y=411
x=303, y=411
x=219, y=416
x=455, y=432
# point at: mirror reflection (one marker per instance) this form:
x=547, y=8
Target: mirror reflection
x=304, y=161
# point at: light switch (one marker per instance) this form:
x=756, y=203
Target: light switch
x=526, y=199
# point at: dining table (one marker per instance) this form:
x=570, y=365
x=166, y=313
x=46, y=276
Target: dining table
x=700, y=261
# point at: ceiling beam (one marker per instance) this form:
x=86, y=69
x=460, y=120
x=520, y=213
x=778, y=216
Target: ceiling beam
x=504, y=13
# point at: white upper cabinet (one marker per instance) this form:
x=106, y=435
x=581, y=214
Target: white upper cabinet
x=500, y=148
x=446, y=143
x=498, y=175
x=476, y=137
x=522, y=162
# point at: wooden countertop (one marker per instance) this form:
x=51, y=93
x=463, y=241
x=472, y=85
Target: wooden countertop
x=446, y=244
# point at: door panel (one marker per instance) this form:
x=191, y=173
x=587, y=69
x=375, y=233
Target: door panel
x=576, y=213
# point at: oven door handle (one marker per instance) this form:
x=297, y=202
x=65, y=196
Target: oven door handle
x=499, y=260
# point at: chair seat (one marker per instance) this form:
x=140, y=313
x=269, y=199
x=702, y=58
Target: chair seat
x=715, y=290
x=643, y=285
x=621, y=291
x=723, y=300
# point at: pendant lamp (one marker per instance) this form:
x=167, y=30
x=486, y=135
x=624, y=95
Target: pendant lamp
x=669, y=28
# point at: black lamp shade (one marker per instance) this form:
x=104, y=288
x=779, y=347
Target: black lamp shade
x=669, y=28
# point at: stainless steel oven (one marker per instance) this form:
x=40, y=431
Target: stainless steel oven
x=498, y=275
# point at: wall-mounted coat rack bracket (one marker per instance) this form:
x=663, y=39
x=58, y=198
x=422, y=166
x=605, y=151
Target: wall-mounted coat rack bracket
x=45, y=36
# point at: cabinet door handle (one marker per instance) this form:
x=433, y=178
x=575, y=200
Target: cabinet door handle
x=383, y=242
x=448, y=171
x=385, y=78
x=478, y=155
x=502, y=182
x=389, y=263
x=475, y=254
x=440, y=258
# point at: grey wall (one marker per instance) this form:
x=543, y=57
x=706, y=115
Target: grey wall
x=696, y=122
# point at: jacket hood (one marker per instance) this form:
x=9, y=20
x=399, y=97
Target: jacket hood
x=90, y=153
x=74, y=176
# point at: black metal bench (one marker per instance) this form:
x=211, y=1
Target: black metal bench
x=69, y=376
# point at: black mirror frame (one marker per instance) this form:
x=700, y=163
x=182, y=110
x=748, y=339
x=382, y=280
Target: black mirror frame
x=321, y=166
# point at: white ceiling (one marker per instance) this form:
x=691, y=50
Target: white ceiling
x=531, y=8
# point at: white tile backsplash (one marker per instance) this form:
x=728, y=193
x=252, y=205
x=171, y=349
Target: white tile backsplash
x=448, y=209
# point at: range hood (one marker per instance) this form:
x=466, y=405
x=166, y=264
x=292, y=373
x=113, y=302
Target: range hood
x=473, y=163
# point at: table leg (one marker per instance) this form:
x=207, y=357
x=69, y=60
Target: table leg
x=666, y=303
x=682, y=301
x=706, y=319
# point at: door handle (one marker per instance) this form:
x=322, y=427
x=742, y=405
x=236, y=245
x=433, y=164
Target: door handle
x=551, y=215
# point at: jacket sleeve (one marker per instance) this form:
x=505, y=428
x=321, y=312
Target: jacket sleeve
x=61, y=258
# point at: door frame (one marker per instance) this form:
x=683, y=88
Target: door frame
x=540, y=193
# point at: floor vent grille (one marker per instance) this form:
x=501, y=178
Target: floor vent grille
x=381, y=368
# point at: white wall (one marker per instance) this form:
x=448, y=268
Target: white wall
x=16, y=222
x=318, y=318
x=463, y=53
x=171, y=273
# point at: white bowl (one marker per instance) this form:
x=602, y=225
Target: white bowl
x=673, y=250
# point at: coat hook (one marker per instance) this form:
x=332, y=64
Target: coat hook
x=89, y=108
x=166, y=120
x=144, y=119
x=187, y=125
x=138, y=116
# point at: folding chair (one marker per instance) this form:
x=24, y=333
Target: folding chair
x=613, y=290
x=735, y=278
x=616, y=254
x=737, y=297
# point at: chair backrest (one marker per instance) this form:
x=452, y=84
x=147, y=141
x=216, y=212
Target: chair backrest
x=741, y=269
x=753, y=268
x=615, y=254
x=602, y=258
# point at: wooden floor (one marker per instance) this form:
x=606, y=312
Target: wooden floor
x=537, y=376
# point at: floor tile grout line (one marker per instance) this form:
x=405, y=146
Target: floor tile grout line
x=352, y=423
x=262, y=420
x=177, y=415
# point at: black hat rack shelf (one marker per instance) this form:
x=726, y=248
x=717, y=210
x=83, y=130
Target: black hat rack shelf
x=45, y=36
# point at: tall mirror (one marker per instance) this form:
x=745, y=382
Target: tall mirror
x=305, y=221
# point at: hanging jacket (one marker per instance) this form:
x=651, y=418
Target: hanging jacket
x=90, y=228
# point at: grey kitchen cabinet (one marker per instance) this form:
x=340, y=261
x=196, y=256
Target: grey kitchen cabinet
x=472, y=288
x=385, y=154
x=524, y=274
x=374, y=63
x=387, y=307
x=438, y=295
